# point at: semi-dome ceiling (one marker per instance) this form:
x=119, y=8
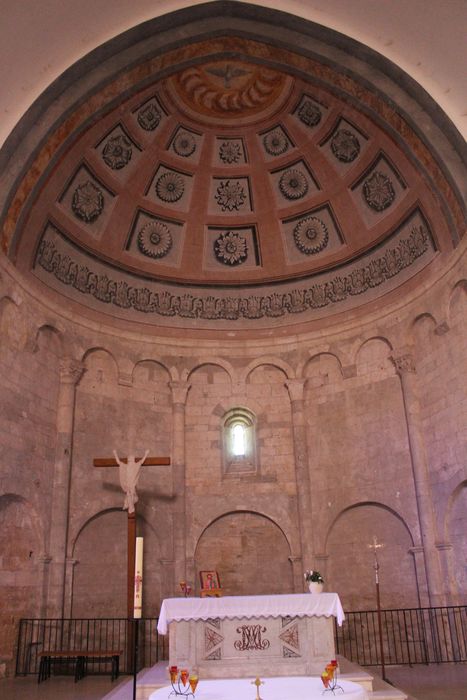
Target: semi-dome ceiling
x=229, y=181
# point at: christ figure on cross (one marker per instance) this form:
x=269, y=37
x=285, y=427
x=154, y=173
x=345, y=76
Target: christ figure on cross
x=128, y=472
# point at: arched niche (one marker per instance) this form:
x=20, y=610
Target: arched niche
x=456, y=537
x=350, y=568
x=249, y=551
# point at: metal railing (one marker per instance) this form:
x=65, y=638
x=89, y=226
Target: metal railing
x=103, y=634
x=410, y=636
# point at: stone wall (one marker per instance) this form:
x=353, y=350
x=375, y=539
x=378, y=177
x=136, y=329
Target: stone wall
x=370, y=433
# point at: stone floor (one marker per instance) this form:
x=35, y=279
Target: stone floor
x=442, y=682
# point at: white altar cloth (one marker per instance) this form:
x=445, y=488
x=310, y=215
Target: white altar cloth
x=288, y=688
x=231, y=607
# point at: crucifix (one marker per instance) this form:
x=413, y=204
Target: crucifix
x=128, y=479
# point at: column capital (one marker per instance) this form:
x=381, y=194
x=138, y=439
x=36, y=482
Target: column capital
x=294, y=558
x=180, y=391
x=404, y=363
x=296, y=388
x=418, y=549
x=71, y=370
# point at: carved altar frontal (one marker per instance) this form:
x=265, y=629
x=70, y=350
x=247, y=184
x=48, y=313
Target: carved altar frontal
x=233, y=648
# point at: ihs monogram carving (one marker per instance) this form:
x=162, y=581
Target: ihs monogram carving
x=154, y=239
x=121, y=294
x=293, y=184
x=378, y=191
x=88, y=202
x=231, y=248
x=230, y=194
x=345, y=145
x=117, y=152
x=310, y=235
x=170, y=187
x=149, y=117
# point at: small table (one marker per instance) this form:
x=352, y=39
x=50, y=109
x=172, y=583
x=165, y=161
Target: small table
x=80, y=657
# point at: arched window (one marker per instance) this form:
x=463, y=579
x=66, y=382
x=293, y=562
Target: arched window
x=239, y=442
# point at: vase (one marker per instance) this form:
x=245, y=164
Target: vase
x=315, y=587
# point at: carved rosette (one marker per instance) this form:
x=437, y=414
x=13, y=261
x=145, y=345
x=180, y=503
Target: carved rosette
x=231, y=248
x=170, y=187
x=230, y=152
x=230, y=195
x=275, y=142
x=309, y=113
x=117, y=152
x=311, y=235
x=149, y=117
x=293, y=184
x=345, y=146
x=378, y=191
x=155, y=239
x=184, y=144
x=88, y=202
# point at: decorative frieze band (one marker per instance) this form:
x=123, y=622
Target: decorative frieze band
x=361, y=278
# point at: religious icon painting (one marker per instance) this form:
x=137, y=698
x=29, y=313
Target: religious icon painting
x=209, y=580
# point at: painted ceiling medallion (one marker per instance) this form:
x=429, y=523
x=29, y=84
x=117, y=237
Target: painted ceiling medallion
x=149, y=117
x=275, y=142
x=117, y=152
x=230, y=248
x=230, y=195
x=293, y=184
x=311, y=235
x=155, y=239
x=309, y=113
x=88, y=202
x=230, y=152
x=378, y=191
x=345, y=146
x=237, y=87
x=184, y=144
x=170, y=187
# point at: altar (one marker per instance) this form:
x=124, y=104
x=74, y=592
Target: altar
x=241, y=636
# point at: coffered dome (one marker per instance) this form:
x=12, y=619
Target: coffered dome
x=231, y=182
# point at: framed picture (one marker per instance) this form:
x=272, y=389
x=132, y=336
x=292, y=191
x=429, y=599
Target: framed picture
x=209, y=580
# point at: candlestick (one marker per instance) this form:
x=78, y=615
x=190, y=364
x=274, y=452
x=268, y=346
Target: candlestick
x=138, y=597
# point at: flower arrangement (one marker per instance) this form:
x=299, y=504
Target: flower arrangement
x=314, y=576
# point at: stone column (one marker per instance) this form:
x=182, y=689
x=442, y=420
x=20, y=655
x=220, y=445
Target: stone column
x=405, y=367
x=180, y=391
x=70, y=374
x=296, y=389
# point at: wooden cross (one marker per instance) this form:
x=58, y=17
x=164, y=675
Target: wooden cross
x=131, y=546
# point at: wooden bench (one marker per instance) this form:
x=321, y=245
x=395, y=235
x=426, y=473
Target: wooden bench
x=81, y=657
